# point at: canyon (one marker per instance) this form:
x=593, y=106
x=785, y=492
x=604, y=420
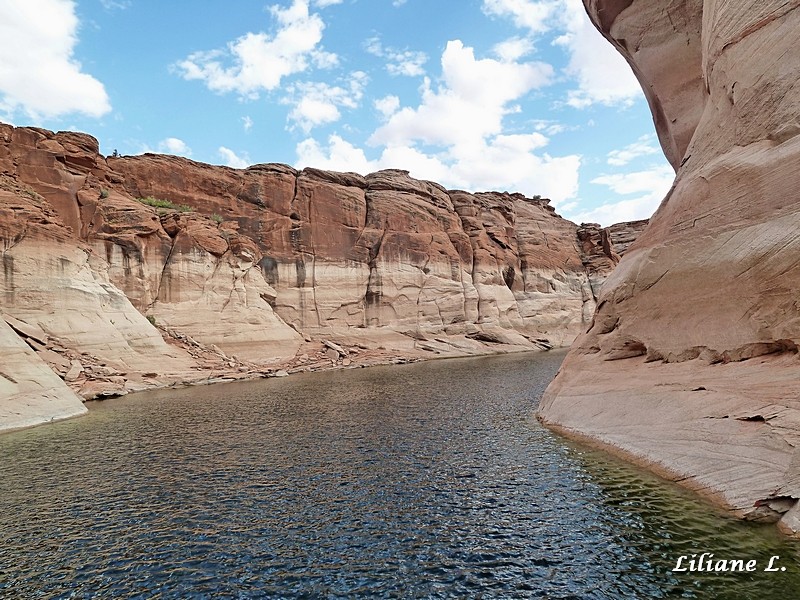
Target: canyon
x=690, y=364
x=127, y=273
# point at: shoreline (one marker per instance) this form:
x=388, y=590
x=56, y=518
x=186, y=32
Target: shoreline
x=724, y=431
x=272, y=373
x=316, y=354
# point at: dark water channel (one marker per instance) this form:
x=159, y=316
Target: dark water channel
x=431, y=480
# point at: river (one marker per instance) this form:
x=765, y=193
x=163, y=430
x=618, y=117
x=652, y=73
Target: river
x=431, y=480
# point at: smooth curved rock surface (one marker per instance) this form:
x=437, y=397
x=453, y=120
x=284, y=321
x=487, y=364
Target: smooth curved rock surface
x=30, y=391
x=690, y=364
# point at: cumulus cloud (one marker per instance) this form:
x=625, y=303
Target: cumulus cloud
x=39, y=75
x=387, y=106
x=509, y=162
x=644, y=146
x=464, y=109
x=231, y=159
x=504, y=163
x=647, y=189
x=247, y=123
x=535, y=15
x=601, y=74
x=456, y=136
x=339, y=155
x=258, y=62
x=318, y=103
x=172, y=145
x=513, y=49
x=410, y=63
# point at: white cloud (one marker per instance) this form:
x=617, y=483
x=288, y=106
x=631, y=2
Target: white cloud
x=325, y=60
x=39, y=75
x=387, y=106
x=397, y=3
x=231, y=159
x=420, y=165
x=644, y=146
x=257, y=61
x=601, y=74
x=549, y=127
x=513, y=49
x=649, y=188
x=506, y=163
x=247, y=123
x=638, y=181
x=374, y=46
x=325, y=3
x=318, y=103
x=408, y=63
x=172, y=145
x=456, y=135
x=399, y=62
x=464, y=109
x=340, y=155
x=509, y=163
x=535, y=15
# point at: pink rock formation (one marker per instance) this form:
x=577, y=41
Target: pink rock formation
x=250, y=272
x=690, y=363
x=387, y=258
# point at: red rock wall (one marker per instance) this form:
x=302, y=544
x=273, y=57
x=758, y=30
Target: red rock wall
x=268, y=261
x=347, y=253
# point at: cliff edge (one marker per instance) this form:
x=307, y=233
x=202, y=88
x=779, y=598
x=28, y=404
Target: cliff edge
x=690, y=364
x=127, y=273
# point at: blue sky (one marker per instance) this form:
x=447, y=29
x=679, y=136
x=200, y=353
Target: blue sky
x=507, y=95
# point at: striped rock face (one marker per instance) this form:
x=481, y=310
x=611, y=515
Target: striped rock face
x=689, y=363
x=246, y=272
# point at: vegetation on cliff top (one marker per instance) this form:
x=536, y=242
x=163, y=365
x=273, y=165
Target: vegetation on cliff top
x=165, y=204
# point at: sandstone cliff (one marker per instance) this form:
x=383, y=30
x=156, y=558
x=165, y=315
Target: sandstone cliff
x=236, y=273
x=690, y=364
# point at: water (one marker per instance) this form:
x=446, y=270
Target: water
x=430, y=480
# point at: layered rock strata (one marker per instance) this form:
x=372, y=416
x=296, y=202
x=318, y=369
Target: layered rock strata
x=153, y=270
x=690, y=364
x=355, y=256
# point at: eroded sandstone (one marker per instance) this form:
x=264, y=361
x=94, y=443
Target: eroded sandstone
x=228, y=274
x=706, y=297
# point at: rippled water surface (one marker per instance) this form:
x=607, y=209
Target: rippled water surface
x=415, y=481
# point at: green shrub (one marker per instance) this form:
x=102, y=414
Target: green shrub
x=103, y=194
x=151, y=319
x=165, y=204
x=216, y=218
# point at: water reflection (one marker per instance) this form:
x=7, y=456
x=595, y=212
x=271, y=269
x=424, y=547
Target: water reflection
x=417, y=481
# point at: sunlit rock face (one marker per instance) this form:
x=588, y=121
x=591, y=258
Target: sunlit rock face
x=690, y=363
x=134, y=272
x=388, y=258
